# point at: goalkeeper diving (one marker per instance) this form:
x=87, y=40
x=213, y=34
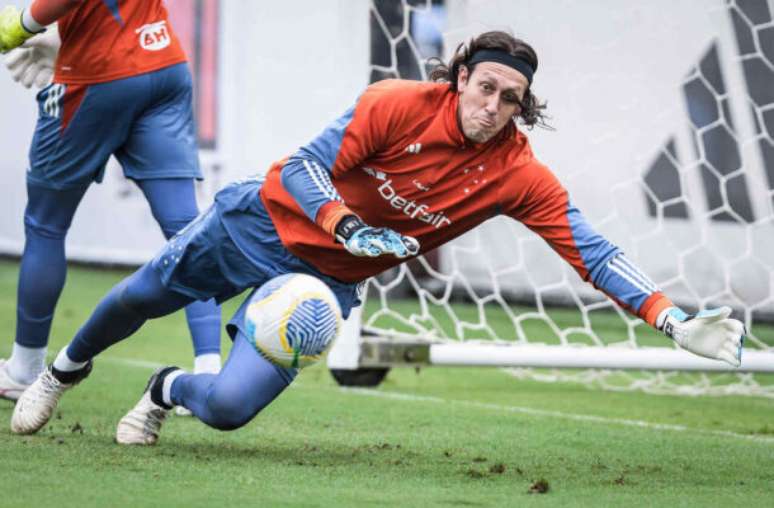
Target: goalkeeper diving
x=409, y=167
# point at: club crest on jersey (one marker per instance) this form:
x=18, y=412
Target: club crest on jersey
x=154, y=36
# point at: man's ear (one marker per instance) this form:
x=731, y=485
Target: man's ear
x=462, y=77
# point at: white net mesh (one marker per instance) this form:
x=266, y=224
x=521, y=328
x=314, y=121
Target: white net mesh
x=665, y=139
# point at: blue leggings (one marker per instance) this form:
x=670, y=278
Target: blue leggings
x=47, y=219
x=246, y=384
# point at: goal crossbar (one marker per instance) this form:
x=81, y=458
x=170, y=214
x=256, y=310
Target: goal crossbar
x=378, y=351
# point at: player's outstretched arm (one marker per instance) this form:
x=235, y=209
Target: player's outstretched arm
x=360, y=239
x=710, y=333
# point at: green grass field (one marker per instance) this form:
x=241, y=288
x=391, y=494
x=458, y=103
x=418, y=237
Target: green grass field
x=437, y=437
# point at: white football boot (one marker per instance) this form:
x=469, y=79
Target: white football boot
x=37, y=403
x=142, y=425
x=9, y=389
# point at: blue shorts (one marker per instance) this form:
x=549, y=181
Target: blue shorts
x=234, y=246
x=146, y=121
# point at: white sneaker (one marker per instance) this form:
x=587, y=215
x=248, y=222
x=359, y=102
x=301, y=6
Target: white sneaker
x=142, y=425
x=37, y=403
x=9, y=389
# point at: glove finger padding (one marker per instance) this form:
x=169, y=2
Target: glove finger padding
x=734, y=326
x=44, y=77
x=732, y=348
x=375, y=248
x=406, y=246
x=729, y=358
x=386, y=241
x=16, y=58
x=398, y=247
x=713, y=315
x=411, y=244
x=29, y=76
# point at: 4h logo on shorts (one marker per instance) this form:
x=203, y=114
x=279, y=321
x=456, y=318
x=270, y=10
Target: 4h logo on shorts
x=154, y=36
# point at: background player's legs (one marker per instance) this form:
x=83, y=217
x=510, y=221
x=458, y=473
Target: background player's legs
x=42, y=274
x=247, y=384
x=130, y=303
x=67, y=153
x=173, y=205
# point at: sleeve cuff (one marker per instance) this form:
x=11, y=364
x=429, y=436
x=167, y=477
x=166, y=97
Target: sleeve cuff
x=30, y=24
x=653, y=306
x=329, y=215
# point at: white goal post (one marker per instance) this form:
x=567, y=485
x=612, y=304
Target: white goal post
x=664, y=117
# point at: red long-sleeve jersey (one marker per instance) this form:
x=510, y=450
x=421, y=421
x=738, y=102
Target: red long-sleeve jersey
x=105, y=40
x=399, y=159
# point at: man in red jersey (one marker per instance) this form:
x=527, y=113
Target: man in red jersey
x=409, y=167
x=120, y=87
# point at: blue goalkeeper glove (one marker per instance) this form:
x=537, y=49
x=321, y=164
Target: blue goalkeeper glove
x=12, y=31
x=360, y=239
x=710, y=333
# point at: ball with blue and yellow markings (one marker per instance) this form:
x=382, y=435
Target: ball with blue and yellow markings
x=292, y=319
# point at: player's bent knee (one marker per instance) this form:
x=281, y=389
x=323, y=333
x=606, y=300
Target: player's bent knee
x=227, y=413
x=144, y=294
x=225, y=423
x=47, y=231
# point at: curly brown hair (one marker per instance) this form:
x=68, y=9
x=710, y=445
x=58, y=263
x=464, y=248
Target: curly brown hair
x=532, y=110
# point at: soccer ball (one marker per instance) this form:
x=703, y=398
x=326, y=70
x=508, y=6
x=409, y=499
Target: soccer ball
x=292, y=319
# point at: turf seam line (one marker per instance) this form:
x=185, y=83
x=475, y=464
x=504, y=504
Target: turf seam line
x=557, y=414
x=144, y=364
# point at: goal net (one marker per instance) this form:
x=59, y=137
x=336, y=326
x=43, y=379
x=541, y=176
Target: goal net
x=664, y=137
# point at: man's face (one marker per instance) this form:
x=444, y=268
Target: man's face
x=489, y=98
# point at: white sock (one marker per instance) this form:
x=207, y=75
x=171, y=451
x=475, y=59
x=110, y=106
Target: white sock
x=26, y=363
x=64, y=363
x=166, y=389
x=208, y=363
